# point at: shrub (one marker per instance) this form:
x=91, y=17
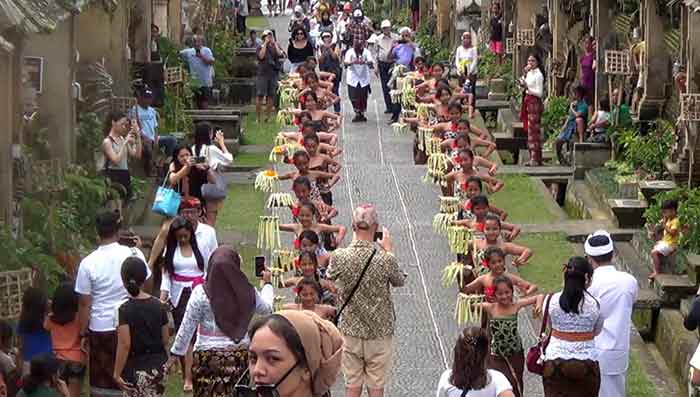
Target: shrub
x=647, y=152
x=688, y=214
x=556, y=110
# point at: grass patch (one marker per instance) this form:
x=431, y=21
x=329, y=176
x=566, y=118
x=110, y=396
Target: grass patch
x=259, y=133
x=522, y=200
x=257, y=23
x=252, y=159
x=551, y=250
x=241, y=209
x=638, y=385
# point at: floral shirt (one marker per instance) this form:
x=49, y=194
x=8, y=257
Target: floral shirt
x=589, y=319
x=370, y=312
x=200, y=318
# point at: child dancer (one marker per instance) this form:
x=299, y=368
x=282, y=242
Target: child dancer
x=506, y=347
x=495, y=262
x=307, y=221
x=492, y=232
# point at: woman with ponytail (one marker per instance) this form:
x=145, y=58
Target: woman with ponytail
x=139, y=367
x=570, y=365
x=469, y=376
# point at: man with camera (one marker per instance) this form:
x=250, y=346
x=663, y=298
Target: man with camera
x=100, y=287
x=364, y=273
x=201, y=63
x=269, y=55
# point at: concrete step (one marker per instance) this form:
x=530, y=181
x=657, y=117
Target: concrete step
x=581, y=197
x=651, y=188
x=628, y=212
x=672, y=288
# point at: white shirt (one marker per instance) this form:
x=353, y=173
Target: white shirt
x=215, y=156
x=381, y=45
x=534, y=80
x=466, y=58
x=602, y=115
x=616, y=291
x=498, y=384
x=358, y=74
x=587, y=320
x=183, y=266
x=206, y=240
x=100, y=277
x=199, y=317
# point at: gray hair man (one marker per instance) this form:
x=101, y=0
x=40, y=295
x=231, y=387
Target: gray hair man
x=364, y=272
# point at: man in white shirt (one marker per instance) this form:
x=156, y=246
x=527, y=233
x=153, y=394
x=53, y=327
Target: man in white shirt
x=616, y=291
x=358, y=62
x=101, y=290
x=381, y=45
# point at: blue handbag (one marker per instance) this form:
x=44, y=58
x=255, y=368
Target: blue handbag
x=167, y=200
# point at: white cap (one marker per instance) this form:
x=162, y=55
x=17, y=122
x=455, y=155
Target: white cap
x=266, y=32
x=386, y=24
x=299, y=9
x=357, y=13
x=598, y=250
x=405, y=29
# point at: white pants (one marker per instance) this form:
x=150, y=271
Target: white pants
x=612, y=385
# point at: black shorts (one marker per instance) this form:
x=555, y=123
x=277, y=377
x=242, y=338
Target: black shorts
x=71, y=370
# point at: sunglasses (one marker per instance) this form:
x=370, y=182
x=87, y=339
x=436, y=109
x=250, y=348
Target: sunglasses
x=243, y=390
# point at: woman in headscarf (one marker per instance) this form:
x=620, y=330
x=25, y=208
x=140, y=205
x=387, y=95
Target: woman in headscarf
x=295, y=353
x=220, y=311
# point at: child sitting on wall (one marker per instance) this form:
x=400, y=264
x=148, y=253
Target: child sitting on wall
x=668, y=243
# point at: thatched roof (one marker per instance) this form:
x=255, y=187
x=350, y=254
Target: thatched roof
x=35, y=16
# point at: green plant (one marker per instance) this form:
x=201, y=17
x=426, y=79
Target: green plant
x=432, y=49
x=688, y=214
x=20, y=253
x=556, y=110
x=173, y=113
x=647, y=152
x=223, y=44
x=403, y=17
x=169, y=52
x=89, y=138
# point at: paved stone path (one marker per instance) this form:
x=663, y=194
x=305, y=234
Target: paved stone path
x=378, y=168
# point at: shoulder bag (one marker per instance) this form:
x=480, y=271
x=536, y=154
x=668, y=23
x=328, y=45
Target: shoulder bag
x=354, y=288
x=535, y=356
x=167, y=200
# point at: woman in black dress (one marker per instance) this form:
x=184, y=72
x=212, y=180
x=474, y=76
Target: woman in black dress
x=299, y=48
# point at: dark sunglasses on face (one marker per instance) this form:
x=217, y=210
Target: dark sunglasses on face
x=243, y=390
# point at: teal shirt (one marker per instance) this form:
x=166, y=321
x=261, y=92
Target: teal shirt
x=580, y=107
x=42, y=391
x=625, y=117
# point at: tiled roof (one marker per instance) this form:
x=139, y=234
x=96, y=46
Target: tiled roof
x=34, y=16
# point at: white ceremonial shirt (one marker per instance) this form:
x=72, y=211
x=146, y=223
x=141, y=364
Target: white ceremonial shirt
x=616, y=291
x=358, y=74
x=466, y=58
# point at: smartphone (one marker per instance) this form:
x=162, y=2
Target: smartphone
x=200, y=160
x=259, y=265
x=378, y=236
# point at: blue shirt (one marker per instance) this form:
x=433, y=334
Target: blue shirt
x=35, y=343
x=198, y=69
x=148, y=120
x=403, y=53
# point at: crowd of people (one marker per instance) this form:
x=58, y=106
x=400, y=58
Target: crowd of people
x=128, y=321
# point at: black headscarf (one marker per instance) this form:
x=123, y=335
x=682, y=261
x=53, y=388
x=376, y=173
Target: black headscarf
x=231, y=296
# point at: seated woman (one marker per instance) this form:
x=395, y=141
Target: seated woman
x=598, y=126
x=495, y=262
x=308, y=293
x=492, y=234
x=466, y=161
x=578, y=113
x=308, y=221
x=307, y=267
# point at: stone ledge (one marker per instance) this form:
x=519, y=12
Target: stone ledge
x=675, y=343
x=652, y=188
x=673, y=288
x=628, y=212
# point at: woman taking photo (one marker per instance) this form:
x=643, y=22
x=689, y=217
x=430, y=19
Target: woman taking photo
x=293, y=354
x=183, y=270
x=299, y=48
x=123, y=139
x=570, y=367
x=180, y=168
x=469, y=376
x=210, y=155
x=219, y=311
x=532, y=83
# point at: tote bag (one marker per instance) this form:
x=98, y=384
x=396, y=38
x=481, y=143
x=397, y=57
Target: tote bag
x=167, y=200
